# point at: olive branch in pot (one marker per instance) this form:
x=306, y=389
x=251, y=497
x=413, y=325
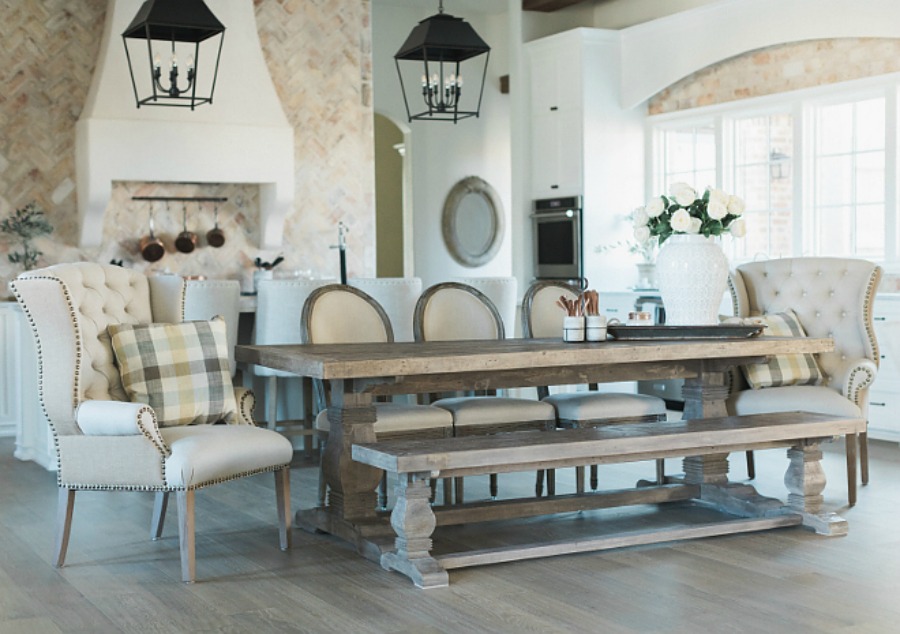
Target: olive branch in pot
x=24, y=225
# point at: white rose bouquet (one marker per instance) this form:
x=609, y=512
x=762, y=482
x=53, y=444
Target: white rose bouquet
x=683, y=211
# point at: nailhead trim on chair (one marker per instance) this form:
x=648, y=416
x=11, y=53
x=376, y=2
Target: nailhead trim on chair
x=165, y=451
x=53, y=433
x=855, y=394
x=236, y=476
x=867, y=317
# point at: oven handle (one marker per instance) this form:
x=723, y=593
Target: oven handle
x=569, y=213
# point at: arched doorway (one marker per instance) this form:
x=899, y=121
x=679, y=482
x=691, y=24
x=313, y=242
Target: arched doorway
x=393, y=222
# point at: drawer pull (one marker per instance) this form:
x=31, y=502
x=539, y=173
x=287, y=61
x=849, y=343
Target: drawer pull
x=880, y=318
x=877, y=404
x=554, y=108
x=554, y=186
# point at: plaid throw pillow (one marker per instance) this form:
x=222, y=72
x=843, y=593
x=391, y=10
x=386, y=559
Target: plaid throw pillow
x=783, y=369
x=180, y=370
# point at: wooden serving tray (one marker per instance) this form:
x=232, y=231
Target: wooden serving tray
x=720, y=331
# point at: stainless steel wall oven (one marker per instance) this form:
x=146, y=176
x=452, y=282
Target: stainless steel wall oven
x=556, y=227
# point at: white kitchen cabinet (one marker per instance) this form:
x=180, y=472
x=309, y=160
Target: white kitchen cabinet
x=884, y=395
x=557, y=129
x=20, y=409
x=556, y=159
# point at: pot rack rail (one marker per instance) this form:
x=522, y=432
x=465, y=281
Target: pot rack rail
x=196, y=199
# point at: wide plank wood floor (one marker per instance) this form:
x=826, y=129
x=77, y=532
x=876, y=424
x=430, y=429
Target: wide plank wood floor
x=117, y=580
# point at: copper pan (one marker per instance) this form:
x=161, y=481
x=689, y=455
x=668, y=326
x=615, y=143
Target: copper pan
x=186, y=241
x=215, y=237
x=152, y=248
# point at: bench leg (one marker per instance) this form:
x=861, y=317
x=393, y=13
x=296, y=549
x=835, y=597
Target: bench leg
x=805, y=481
x=413, y=522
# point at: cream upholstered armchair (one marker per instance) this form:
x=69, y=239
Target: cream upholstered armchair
x=80, y=314
x=831, y=297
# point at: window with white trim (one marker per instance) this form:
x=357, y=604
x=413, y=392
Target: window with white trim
x=811, y=166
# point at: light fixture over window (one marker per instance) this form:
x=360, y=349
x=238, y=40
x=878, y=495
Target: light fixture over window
x=163, y=24
x=441, y=43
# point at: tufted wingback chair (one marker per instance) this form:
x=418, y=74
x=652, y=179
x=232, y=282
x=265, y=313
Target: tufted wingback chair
x=103, y=442
x=832, y=297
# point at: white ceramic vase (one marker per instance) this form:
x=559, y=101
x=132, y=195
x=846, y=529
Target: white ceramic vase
x=692, y=272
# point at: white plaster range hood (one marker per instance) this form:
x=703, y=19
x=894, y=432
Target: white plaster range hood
x=242, y=137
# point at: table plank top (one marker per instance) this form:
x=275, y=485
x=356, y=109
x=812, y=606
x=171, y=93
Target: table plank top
x=403, y=359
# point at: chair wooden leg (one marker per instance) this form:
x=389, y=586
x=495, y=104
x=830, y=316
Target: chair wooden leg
x=539, y=483
x=323, y=486
x=864, y=457
x=660, y=471
x=850, y=441
x=551, y=481
x=579, y=479
x=432, y=496
x=65, y=505
x=595, y=477
x=751, y=465
x=160, y=504
x=185, y=501
x=458, y=493
x=283, y=500
x=494, y=487
x=271, y=402
x=448, y=491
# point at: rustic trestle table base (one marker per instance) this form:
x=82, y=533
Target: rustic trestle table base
x=360, y=372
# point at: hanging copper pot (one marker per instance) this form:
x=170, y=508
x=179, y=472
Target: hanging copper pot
x=215, y=237
x=186, y=240
x=152, y=248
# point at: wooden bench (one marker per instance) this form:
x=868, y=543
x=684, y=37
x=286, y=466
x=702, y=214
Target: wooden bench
x=705, y=444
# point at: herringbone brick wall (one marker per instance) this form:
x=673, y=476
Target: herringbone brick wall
x=780, y=68
x=319, y=56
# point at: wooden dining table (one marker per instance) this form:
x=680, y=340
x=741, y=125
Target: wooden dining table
x=359, y=373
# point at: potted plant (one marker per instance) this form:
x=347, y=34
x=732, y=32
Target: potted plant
x=24, y=225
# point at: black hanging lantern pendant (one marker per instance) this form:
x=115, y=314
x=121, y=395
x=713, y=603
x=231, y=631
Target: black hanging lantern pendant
x=165, y=22
x=441, y=43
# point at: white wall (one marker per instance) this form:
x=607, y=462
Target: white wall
x=442, y=153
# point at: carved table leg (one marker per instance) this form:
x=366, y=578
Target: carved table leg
x=704, y=397
x=351, y=484
x=805, y=481
x=414, y=522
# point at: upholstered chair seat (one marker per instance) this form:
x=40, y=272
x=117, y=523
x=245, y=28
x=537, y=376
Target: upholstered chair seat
x=96, y=328
x=825, y=297
x=479, y=414
x=606, y=407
